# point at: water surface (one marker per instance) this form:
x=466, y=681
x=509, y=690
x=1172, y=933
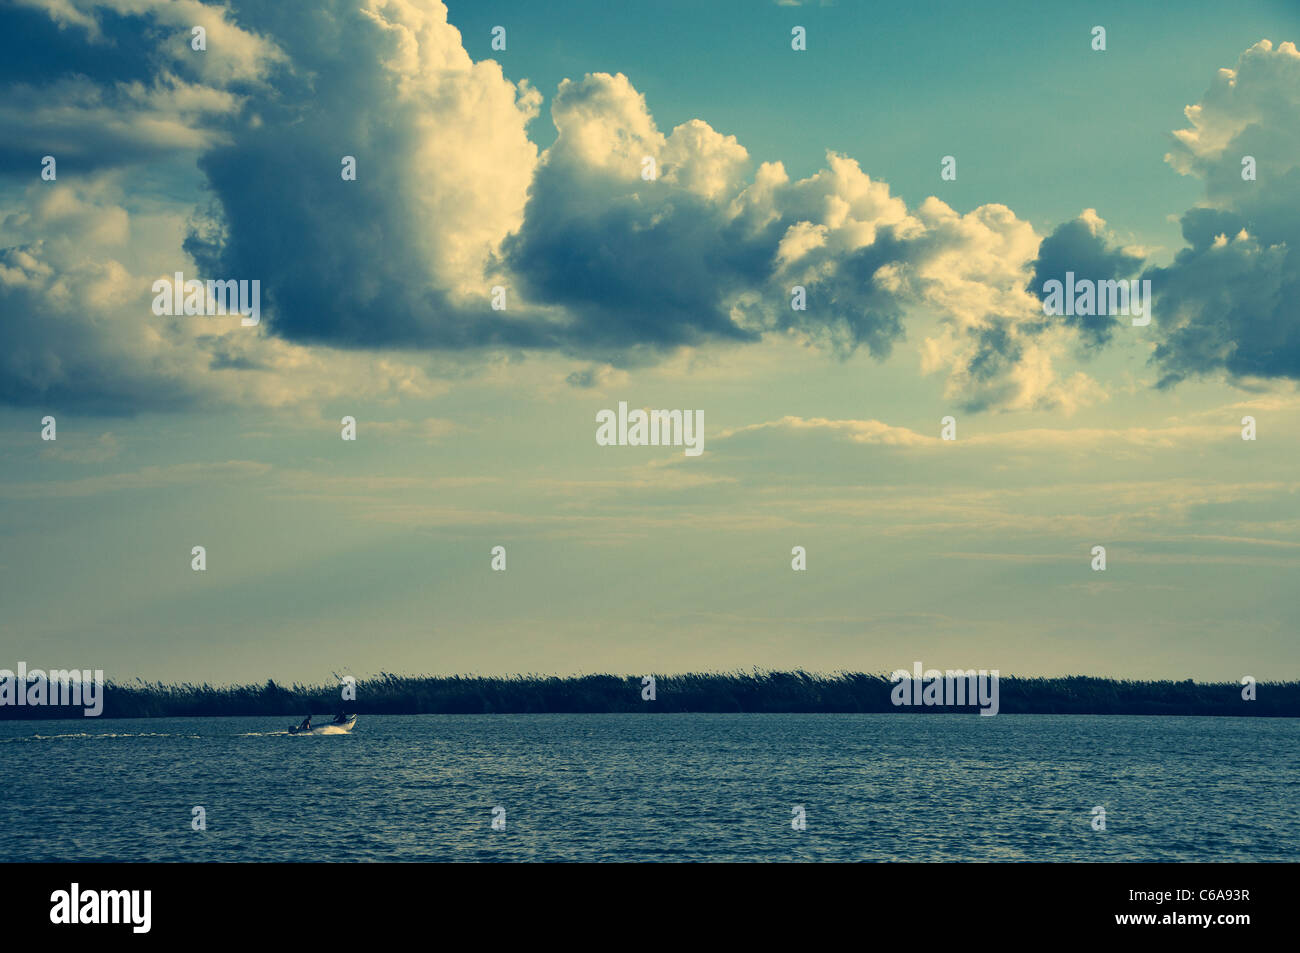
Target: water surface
x=654, y=787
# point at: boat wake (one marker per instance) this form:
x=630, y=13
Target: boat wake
x=110, y=734
x=328, y=729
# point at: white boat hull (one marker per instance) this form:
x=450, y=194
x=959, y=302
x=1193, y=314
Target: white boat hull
x=328, y=729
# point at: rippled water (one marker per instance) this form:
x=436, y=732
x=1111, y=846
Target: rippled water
x=654, y=787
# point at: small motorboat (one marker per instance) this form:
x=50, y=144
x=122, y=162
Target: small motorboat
x=329, y=728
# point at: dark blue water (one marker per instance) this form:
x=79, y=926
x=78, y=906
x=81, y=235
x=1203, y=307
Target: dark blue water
x=654, y=787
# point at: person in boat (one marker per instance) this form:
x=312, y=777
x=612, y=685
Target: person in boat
x=340, y=719
x=306, y=724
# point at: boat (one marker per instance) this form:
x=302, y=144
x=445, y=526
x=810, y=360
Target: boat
x=329, y=728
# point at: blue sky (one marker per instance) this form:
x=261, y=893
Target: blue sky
x=476, y=427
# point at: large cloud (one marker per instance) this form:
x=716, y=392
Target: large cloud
x=401, y=256
x=451, y=198
x=78, y=332
x=703, y=253
x=78, y=256
x=1228, y=301
x=120, y=83
x=233, y=54
x=1082, y=246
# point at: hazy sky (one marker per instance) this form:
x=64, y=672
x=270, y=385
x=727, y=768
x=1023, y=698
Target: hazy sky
x=476, y=427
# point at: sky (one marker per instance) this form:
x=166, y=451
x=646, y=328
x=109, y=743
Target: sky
x=523, y=169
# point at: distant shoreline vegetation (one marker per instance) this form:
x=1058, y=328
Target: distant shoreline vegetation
x=755, y=692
